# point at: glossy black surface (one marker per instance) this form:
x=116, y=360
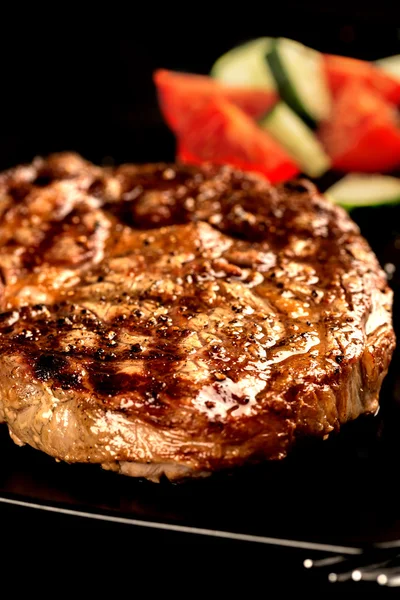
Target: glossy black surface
x=90, y=90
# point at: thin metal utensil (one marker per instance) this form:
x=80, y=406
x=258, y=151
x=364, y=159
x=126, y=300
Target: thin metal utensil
x=379, y=565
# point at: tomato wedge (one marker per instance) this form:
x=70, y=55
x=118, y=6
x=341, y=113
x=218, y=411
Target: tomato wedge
x=222, y=133
x=181, y=95
x=363, y=132
x=341, y=70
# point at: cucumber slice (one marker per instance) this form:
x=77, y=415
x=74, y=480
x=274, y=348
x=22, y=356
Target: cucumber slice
x=301, y=80
x=245, y=65
x=391, y=65
x=297, y=139
x=356, y=190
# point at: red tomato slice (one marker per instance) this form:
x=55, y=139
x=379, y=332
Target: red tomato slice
x=181, y=95
x=341, y=70
x=363, y=131
x=222, y=133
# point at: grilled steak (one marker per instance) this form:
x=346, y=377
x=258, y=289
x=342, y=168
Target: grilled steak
x=174, y=320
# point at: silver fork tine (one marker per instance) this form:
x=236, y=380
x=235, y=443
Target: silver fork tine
x=323, y=562
x=385, y=571
x=391, y=580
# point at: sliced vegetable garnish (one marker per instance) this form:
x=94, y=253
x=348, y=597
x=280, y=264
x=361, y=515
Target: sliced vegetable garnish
x=300, y=76
x=265, y=97
x=181, y=95
x=363, y=131
x=245, y=65
x=286, y=127
x=341, y=70
x=358, y=190
x=222, y=134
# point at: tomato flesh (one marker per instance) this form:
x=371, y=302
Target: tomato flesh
x=222, y=133
x=341, y=70
x=182, y=95
x=363, y=131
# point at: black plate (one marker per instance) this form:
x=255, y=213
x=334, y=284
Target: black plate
x=97, y=98
x=341, y=493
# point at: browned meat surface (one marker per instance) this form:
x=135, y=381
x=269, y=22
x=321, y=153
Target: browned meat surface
x=167, y=319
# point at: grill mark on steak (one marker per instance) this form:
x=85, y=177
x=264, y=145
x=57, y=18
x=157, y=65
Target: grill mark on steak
x=191, y=318
x=48, y=366
x=34, y=255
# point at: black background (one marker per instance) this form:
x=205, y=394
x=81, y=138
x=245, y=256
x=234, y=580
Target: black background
x=71, y=79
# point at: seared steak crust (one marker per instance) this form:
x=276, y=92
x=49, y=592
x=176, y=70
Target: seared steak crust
x=168, y=319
